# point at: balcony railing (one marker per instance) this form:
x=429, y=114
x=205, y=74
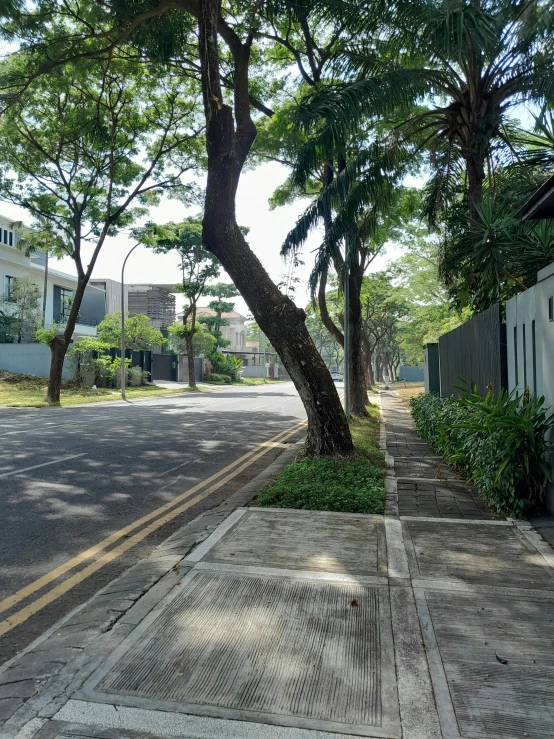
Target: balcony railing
x=82, y=320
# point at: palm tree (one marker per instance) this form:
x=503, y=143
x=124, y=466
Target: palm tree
x=446, y=74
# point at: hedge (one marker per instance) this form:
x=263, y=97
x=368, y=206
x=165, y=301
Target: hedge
x=500, y=444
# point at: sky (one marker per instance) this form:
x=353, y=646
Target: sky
x=268, y=230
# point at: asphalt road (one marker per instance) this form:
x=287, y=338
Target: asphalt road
x=70, y=477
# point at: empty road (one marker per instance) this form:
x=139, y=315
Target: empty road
x=72, y=478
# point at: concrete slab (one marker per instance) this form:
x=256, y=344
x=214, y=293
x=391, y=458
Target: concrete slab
x=301, y=653
x=121, y=722
x=491, y=663
x=305, y=540
x=487, y=554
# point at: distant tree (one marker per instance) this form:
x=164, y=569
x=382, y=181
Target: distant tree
x=87, y=149
x=20, y=314
x=416, y=278
x=220, y=305
x=384, y=307
x=202, y=341
x=325, y=343
x=139, y=334
x=197, y=266
x=254, y=333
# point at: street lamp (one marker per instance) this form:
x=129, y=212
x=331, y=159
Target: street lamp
x=123, y=374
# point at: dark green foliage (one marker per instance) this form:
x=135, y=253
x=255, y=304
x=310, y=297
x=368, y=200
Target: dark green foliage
x=500, y=443
x=219, y=379
x=497, y=255
x=325, y=484
x=351, y=485
x=225, y=365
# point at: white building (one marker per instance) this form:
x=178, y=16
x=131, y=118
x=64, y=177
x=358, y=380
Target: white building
x=235, y=331
x=112, y=291
x=59, y=285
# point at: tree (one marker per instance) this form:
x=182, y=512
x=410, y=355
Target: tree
x=383, y=310
x=169, y=33
x=499, y=255
x=139, y=334
x=220, y=305
x=20, y=314
x=326, y=344
x=202, y=342
x=91, y=145
x=197, y=267
x=416, y=279
x=473, y=60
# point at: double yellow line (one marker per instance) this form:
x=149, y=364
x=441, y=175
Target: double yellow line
x=154, y=521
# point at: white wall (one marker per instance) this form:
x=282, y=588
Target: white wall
x=532, y=306
x=257, y=371
x=29, y=359
x=14, y=263
x=521, y=311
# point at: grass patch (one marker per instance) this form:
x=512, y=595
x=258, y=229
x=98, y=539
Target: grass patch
x=351, y=485
x=26, y=391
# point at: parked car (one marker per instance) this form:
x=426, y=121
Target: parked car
x=336, y=376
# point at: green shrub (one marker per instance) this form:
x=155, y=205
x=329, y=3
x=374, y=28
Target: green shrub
x=218, y=378
x=352, y=485
x=499, y=443
x=226, y=364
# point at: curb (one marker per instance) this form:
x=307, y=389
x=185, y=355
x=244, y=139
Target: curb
x=391, y=485
x=35, y=682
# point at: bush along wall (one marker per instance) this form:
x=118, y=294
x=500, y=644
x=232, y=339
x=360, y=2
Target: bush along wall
x=500, y=444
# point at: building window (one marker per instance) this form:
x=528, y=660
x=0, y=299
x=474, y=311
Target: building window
x=63, y=297
x=10, y=238
x=515, y=355
x=551, y=309
x=524, y=359
x=5, y=236
x=9, y=284
x=66, y=298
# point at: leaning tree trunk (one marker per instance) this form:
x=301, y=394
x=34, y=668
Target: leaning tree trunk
x=279, y=319
x=190, y=359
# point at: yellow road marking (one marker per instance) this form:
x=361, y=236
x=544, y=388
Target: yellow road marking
x=33, y=587
x=21, y=616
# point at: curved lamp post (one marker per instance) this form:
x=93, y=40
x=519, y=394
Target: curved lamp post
x=123, y=373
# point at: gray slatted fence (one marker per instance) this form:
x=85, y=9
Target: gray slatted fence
x=476, y=351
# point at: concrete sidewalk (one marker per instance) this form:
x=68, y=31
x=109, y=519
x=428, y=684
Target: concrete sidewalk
x=433, y=621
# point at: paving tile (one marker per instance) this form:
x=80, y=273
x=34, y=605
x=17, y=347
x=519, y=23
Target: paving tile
x=490, y=699
x=305, y=540
x=8, y=706
x=489, y=555
x=292, y=652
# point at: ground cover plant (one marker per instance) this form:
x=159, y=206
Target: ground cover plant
x=500, y=443
x=353, y=484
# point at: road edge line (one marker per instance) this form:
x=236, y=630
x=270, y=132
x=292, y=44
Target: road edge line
x=109, y=616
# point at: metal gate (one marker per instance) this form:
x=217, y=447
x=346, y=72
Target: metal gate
x=164, y=367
